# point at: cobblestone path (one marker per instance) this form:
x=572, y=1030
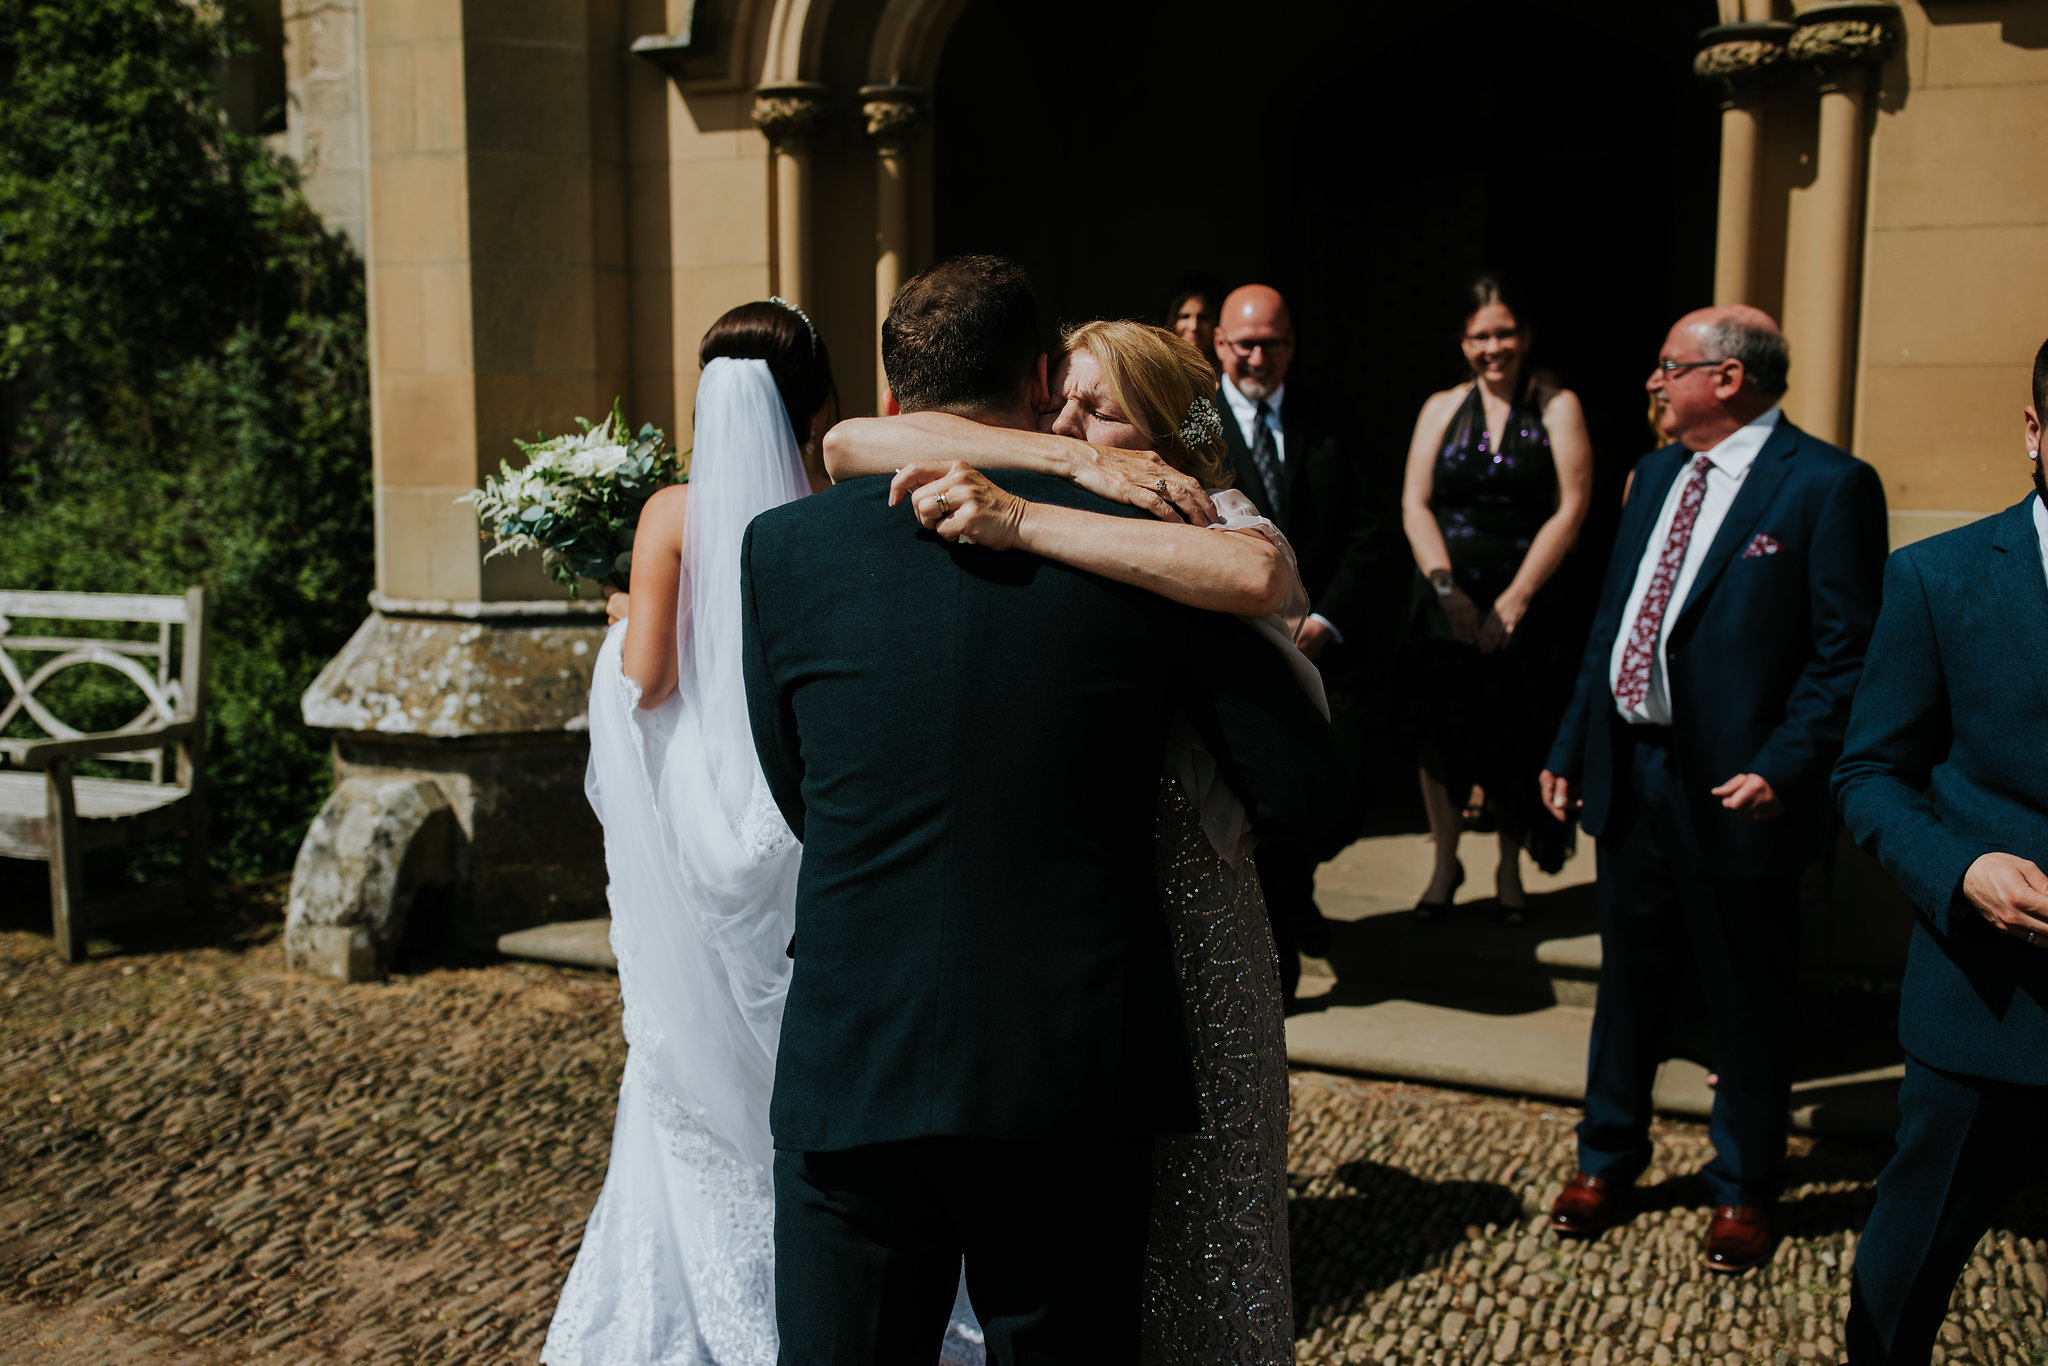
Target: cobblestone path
x=203, y=1159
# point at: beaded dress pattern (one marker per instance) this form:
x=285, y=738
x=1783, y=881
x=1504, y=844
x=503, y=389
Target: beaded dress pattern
x=1217, y=1285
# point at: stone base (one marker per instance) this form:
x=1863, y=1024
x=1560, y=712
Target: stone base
x=482, y=717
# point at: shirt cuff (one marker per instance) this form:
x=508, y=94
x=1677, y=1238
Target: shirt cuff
x=1328, y=625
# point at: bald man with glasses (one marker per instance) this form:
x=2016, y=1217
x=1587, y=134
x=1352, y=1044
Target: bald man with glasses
x=1710, y=707
x=1292, y=450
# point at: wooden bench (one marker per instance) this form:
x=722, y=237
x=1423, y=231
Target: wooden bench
x=49, y=813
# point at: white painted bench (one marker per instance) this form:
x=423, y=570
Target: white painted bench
x=49, y=813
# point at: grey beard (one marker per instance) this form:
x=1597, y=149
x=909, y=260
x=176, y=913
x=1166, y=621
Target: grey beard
x=1257, y=392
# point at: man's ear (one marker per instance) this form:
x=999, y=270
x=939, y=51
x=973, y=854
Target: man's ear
x=2033, y=432
x=1041, y=392
x=1730, y=387
x=889, y=407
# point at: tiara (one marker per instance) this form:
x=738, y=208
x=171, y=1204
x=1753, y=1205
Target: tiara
x=1201, y=427
x=808, y=324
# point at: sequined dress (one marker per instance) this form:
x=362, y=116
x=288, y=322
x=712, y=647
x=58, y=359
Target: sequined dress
x=1217, y=1287
x=1491, y=717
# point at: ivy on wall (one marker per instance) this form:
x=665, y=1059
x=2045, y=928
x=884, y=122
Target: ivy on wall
x=184, y=390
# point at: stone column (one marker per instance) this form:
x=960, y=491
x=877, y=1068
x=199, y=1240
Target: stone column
x=495, y=255
x=1844, y=43
x=1739, y=58
x=786, y=114
x=893, y=113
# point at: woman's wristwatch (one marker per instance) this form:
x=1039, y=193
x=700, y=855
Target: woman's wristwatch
x=1441, y=582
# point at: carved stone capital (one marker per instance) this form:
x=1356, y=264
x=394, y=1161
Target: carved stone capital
x=1839, y=38
x=892, y=112
x=1743, y=58
x=787, y=113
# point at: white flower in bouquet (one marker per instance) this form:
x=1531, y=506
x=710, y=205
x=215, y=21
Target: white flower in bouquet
x=577, y=499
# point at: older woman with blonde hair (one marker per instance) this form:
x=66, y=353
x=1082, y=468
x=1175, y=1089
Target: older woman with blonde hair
x=1217, y=1283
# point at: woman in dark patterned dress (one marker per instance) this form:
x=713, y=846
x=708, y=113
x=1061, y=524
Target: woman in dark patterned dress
x=1498, y=480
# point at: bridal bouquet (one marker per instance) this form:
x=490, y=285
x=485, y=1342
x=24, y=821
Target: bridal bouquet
x=577, y=499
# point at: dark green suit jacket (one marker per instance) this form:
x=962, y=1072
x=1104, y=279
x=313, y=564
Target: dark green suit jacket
x=969, y=745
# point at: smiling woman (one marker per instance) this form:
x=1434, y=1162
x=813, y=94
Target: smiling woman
x=1499, y=478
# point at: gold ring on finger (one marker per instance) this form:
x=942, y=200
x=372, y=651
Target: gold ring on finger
x=942, y=505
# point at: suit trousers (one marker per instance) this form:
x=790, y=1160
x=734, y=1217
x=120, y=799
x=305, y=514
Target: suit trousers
x=1964, y=1144
x=1664, y=910
x=869, y=1242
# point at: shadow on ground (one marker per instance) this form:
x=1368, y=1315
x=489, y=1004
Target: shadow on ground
x=1391, y=1224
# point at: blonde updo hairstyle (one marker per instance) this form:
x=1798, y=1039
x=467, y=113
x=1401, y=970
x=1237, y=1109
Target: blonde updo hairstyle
x=1155, y=377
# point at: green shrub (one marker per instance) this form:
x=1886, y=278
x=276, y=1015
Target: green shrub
x=184, y=371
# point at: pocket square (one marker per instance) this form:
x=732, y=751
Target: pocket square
x=1760, y=545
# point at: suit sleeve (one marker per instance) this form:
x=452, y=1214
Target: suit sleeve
x=1899, y=729
x=1270, y=742
x=1347, y=600
x=769, y=706
x=1845, y=584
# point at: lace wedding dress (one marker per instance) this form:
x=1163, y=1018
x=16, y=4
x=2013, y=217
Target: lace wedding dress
x=677, y=1266
x=1218, y=1290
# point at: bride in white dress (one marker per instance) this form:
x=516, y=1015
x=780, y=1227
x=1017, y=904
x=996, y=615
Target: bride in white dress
x=677, y=1265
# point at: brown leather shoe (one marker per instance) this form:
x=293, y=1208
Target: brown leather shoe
x=1586, y=1206
x=1740, y=1239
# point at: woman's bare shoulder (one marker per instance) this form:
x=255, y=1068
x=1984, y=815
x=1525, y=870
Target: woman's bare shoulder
x=664, y=512
x=1443, y=400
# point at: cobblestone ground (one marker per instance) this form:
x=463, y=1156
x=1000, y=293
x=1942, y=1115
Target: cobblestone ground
x=203, y=1159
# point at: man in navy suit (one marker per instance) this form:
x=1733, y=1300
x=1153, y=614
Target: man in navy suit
x=1709, y=711
x=1944, y=777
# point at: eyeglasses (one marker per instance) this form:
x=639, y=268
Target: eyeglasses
x=1270, y=345
x=1504, y=334
x=1668, y=367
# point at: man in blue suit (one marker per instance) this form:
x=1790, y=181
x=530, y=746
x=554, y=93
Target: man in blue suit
x=1709, y=711
x=1944, y=777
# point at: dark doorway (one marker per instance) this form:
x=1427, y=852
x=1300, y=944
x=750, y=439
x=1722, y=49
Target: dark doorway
x=1364, y=160
x=1367, y=161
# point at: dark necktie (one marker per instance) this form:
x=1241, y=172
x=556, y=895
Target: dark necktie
x=1632, y=682
x=1266, y=461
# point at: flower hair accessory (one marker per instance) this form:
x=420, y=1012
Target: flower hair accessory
x=1201, y=426
x=808, y=324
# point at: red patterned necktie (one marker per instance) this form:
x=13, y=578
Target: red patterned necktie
x=1632, y=684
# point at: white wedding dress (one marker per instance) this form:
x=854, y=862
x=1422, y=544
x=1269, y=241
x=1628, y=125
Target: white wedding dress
x=677, y=1266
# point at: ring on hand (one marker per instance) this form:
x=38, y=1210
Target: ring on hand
x=943, y=506
x=1161, y=484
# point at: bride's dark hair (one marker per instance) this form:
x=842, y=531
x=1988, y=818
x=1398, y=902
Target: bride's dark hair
x=780, y=334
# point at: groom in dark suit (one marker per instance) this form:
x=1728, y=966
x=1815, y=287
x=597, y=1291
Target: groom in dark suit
x=1288, y=445
x=1709, y=711
x=982, y=1037
x=1944, y=777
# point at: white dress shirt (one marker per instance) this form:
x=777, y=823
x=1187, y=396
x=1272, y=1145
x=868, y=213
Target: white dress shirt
x=1731, y=461
x=2041, y=528
x=1246, y=411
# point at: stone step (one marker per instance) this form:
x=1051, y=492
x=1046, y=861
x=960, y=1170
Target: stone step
x=573, y=943
x=1542, y=1052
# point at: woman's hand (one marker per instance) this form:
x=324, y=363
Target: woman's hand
x=960, y=503
x=1464, y=615
x=1499, y=627
x=617, y=602
x=1142, y=480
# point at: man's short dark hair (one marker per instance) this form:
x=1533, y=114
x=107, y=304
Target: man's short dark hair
x=2041, y=382
x=961, y=337
x=1766, y=359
